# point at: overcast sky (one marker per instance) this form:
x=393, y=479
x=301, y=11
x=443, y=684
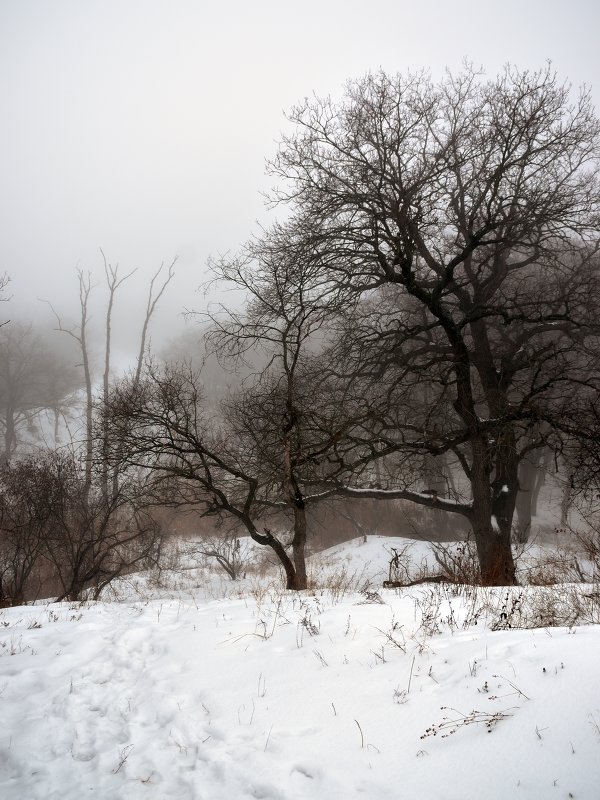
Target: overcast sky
x=142, y=126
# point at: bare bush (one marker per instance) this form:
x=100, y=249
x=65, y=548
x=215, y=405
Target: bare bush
x=588, y=542
x=458, y=562
x=549, y=568
x=231, y=553
x=52, y=520
x=25, y=522
x=402, y=570
x=339, y=582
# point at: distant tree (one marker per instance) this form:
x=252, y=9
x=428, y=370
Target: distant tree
x=4, y=281
x=79, y=333
x=25, y=521
x=192, y=461
x=226, y=548
x=34, y=377
x=533, y=467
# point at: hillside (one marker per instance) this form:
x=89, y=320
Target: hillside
x=207, y=689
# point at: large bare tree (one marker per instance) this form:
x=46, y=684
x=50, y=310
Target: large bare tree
x=473, y=205
x=289, y=305
x=258, y=456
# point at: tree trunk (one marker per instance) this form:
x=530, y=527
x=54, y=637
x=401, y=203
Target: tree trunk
x=291, y=581
x=435, y=482
x=296, y=502
x=540, y=479
x=493, y=507
x=84, y=292
x=299, y=545
x=566, y=500
x=524, y=502
x=112, y=285
x=495, y=556
x=9, y=434
x=73, y=592
x=531, y=480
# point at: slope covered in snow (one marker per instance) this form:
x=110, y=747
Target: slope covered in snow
x=336, y=693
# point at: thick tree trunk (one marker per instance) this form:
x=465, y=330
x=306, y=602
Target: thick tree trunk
x=493, y=508
x=291, y=581
x=72, y=592
x=495, y=556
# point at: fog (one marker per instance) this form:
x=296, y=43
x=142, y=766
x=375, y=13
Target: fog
x=142, y=128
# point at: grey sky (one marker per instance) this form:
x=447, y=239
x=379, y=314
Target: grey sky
x=142, y=126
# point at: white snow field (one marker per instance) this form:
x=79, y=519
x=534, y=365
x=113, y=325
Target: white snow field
x=228, y=691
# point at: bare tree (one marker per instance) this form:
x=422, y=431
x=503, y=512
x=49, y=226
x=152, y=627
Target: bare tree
x=49, y=526
x=191, y=461
x=474, y=204
x=79, y=333
x=25, y=521
x=113, y=282
x=287, y=311
x=94, y=539
x=4, y=281
x=226, y=548
x=155, y=292
x=533, y=467
x=101, y=525
x=34, y=378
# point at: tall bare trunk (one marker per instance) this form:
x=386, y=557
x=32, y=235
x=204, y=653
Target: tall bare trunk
x=299, y=545
x=113, y=282
x=84, y=293
x=9, y=434
x=295, y=500
x=532, y=473
x=153, y=298
x=291, y=581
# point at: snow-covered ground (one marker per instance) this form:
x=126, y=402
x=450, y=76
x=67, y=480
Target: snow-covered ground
x=210, y=690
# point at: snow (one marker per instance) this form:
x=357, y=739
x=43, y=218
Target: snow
x=227, y=690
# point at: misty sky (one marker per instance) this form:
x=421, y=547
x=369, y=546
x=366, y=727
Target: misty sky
x=142, y=126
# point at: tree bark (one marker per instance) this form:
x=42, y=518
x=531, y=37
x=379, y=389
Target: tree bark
x=299, y=545
x=291, y=581
x=295, y=500
x=492, y=518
